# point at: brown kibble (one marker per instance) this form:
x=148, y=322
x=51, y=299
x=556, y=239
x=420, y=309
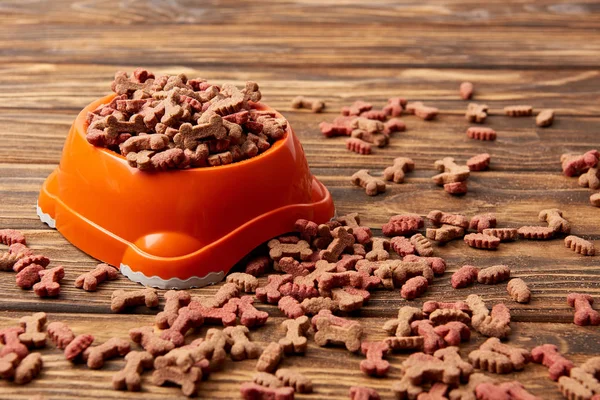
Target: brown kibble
x=584, y=314
x=453, y=332
x=496, y=324
x=450, y=172
x=77, y=346
x=445, y=233
x=120, y=299
x=225, y=293
x=28, y=369
x=186, y=379
x=373, y=186
x=548, y=355
x=49, y=285
x=270, y=293
x=300, y=250
x=476, y=113
x=395, y=106
x=342, y=240
x=151, y=342
x=314, y=305
x=375, y=365
x=214, y=348
x=335, y=330
x=60, y=334
x=442, y=316
x=8, y=363
x=479, y=162
x=188, y=356
x=499, y=358
x=405, y=343
x=135, y=144
x=518, y=111
x=95, y=356
x=295, y=339
x=379, y=250
x=9, y=237
x=465, y=276
x=253, y=391
x=431, y=306
x=368, y=126
x=356, y=108
x=402, y=246
x=290, y=266
x=481, y=241
x=504, y=234
x=359, y=146
x=404, y=224
x=518, y=290
x=270, y=358
x=400, y=166
x=436, y=392
x=422, y=245
x=555, y=220
x=363, y=393
x=174, y=300
x=34, y=335
x=544, y=118
x=191, y=316
x=130, y=376
x=414, y=287
x=579, y=245
x=242, y=348
x=595, y=199
x=493, y=275
x=315, y=105
x=295, y=379
x=28, y=276
x=466, y=90
x=590, y=179
x=467, y=392
x=535, y=232
x=245, y=282
x=267, y=379
x=90, y=280
x=431, y=340
x=481, y=133
x=574, y=389
x=362, y=234
x=400, y=326
x=421, y=110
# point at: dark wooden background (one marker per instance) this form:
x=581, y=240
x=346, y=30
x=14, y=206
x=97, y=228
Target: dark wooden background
x=57, y=56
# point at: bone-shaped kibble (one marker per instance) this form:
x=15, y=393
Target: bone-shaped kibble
x=135, y=144
x=173, y=374
x=270, y=358
x=577, y=164
x=90, y=280
x=375, y=364
x=481, y=133
x=8, y=363
x=120, y=299
x=347, y=301
x=328, y=332
x=214, y=347
x=267, y=379
x=330, y=280
x=258, y=266
x=151, y=342
x=482, y=221
x=253, y=391
x=295, y=339
x=225, y=293
x=445, y=233
x=308, y=230
x=357, y=108
x=504, y=234
x=367, y=126
x=436, y=392
x=438, y=217
x=450, y=171
x=28, y=369
x=242, y=348
x=77, y=346
x=34, y=326
x=186, y=357
x=402, y=225
x=339, y=127
x=590, y=179
x=300, y=250
x=393, y=125
x=245, y=282
x=174, y=300
x=342, y=240
x=580, y=245
x=11, y=236
x=313, y=305
x=10, y=338
x=373, y=186
x=290, y=307
x=249, y=315
x=421, y=110
x=95, y=356
x=496, y=324
x=394, y=106
x=518, y=290
x=499, y=358
x=444, y=315
x=431, y=340
x=422, y=245
x=397, y=171
x=270, y=293
x=225, y=315
x=584, y=314
x=362, y=234
x=482, y=241
x=23, y=262
x=290, y=266
x=555, y=220
x=493, y=275
x=130, y=376
x=60, y=334
x=315, y=105
x=295, y=379
x=379, y=115
x=453, y=332
x=476, y=113
x=518, y=111
x=379, y=250
x=548, y=355
x=49, y=285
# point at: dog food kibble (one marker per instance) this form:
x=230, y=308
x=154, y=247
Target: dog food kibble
x=422, y=245
x=375, y=364
x=295, y=340
x=584, y=314
x=518, y=290
x=120, y=299
x=60, y=334
x=248, y=314
x=453, y=332
x=481, y=133
x=405, y=224
x=544, y=118
x=336, y=330
x=373, y=186
x=34, y=335
x=49, y=284
x=445, y=233
x=23, y=262
x=173, y=374
x=577, y=164
x=294, y=379
x=477, y=113
x=579, y=245
x=465, y=276
x=90, y=280
x=590, y=179
x=482, y=221
x=414, y=287
x=402, y=246
x=28, y=276
x=548, y=355
x=77, y=346
x=479, y=162
x=359, y=146
x=493, y=275
x=555, y=220
x=396, y=172
x=499, y=358
x=11, y=236
x=482, y=241
x=444, y=315
x=438, y=217
x=267, y=380
x=95, y=356
x=466, y=90
x=130, y=376
x=431, y=306
x=151, y=342
x=431, y=340
x=245, y=282
x=595, y=199
x=535, y=232
x=393, y=125
x=174, y=300
x=518, y=111
x=315, y=105
x=254, y=391
x=496, y=324
x=504, y=234
x=395, y=106
x=290, y=307
x=421, y=110
x=356, y=108
x=270, y=358
x=10, y=338
x=187, y=319
x=28, y=368
x=242, y=348
x=380, y=248
x=400, y=326
x=456, y=187
x=450, y=171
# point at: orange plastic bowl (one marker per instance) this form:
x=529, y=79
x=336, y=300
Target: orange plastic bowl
x=182, y=228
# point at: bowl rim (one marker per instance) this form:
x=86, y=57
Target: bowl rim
x=81, y=126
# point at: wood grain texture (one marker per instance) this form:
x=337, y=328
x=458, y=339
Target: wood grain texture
x=57, y=56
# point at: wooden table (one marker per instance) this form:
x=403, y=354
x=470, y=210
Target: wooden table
x=56, y=57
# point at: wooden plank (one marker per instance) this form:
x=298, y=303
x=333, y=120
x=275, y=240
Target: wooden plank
x=333, y=370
